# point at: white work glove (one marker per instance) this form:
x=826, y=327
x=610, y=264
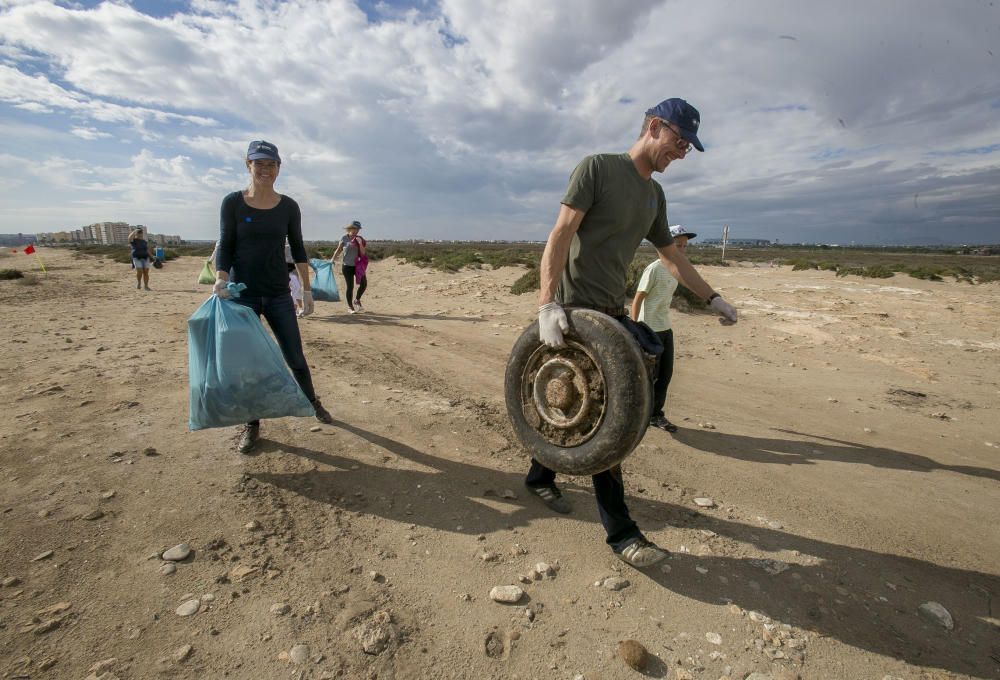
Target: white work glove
x=220, y=289
x=307, y=303
x=724, y=309
x=552, y=323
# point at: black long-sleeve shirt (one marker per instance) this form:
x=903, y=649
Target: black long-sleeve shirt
x=252, y=244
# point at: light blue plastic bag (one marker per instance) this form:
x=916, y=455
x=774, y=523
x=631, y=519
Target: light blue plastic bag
x=236, y=372
x=324, y=286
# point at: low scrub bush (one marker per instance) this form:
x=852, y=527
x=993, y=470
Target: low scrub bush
x=874, y=272
x=528, y=282
x=123, y=255
x=27, y=280
x=634, y=273
x=706, y=260
x=9, y=274
x=687, y=301
x=963, y=274
x=455, y=259
x=446, y=257
x=924, y=273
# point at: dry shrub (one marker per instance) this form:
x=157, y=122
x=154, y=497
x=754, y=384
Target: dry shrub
x=528, y=282
x=28, y=280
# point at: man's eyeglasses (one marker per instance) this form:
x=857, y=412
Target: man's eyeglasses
x=681, y=142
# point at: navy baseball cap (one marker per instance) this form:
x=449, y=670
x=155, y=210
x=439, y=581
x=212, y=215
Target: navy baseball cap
x=683, y=115
x=261, y=149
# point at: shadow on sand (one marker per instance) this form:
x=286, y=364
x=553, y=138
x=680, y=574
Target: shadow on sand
x=796, y=452
x=860, y=597
x=381, y=319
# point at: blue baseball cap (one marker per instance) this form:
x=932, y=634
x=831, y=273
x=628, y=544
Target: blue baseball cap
x=683, y=115
x=261, y=149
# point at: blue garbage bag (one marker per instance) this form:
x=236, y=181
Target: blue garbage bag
x=324, y=286
x=236, y=372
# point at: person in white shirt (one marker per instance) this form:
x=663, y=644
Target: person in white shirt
x=294, y=284
x=652, y=306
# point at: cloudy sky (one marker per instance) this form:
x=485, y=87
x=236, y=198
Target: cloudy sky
x=872, y=122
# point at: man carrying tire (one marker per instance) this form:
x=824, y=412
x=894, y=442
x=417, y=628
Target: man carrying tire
x=611, y=205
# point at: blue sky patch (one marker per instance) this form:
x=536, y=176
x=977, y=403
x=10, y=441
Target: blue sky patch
x=973, y=151
x=829, y=154
x=153, y=8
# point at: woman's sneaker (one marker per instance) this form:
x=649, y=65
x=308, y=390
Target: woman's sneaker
x=642, y=554
x=248, y=437
x=357, y=306
x=322, y=415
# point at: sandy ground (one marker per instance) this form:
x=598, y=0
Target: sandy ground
x=846, y=430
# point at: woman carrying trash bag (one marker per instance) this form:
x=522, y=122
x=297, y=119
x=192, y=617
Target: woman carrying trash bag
x=354, y=249
x=255, y=223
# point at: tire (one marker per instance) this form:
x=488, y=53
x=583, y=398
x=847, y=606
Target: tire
x=579, y=409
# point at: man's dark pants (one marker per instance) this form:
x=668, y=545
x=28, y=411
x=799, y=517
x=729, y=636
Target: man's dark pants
x=280, y=314
x=609, y=486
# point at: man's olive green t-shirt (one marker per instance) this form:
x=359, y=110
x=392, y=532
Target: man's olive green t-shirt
x=621, y=209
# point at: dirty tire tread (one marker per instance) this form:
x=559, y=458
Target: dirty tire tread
x=627, y=392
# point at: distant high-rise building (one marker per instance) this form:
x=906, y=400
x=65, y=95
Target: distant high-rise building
x=111, y=233
x=107, y=233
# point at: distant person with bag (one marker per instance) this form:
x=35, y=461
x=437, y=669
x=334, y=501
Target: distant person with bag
x=355, y=262
x=213, y=259
x=651, y=305
x=211, y=264
x=255, y=224
x=141, y=261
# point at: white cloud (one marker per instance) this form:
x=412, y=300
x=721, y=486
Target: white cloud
x=38, y=92
x=89, y=133
x=463, y=120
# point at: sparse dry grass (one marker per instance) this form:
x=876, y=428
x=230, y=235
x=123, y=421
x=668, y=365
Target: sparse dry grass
x=27, y=280
x=923, y=263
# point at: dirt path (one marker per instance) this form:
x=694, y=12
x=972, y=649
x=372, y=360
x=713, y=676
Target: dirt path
x=845, y=429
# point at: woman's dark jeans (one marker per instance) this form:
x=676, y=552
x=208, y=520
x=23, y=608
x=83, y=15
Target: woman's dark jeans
x=280, y=314
x=349, y=270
